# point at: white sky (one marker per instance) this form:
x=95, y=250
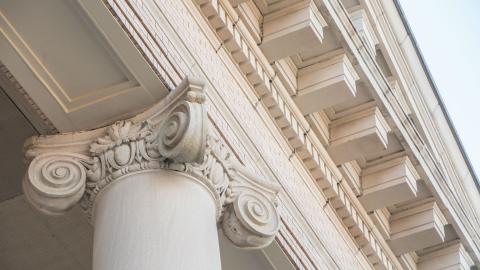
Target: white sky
x=448, y=34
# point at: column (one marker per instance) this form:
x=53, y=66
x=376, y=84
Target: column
x=155, y=187
x=156, y=220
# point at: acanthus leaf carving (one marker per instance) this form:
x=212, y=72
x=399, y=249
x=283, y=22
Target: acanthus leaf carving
x=128, y=147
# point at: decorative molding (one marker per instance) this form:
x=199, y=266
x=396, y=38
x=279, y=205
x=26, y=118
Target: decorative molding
x=138, y=29
x=351, y=172
x=175, y=139
x=22, y=99
x=365, y=30
x=397, y=93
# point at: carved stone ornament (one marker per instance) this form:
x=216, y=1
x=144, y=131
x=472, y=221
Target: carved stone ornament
x=67, y=169
x=247, y=205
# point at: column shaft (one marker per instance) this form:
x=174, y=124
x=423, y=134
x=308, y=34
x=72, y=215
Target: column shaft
x=155, y=220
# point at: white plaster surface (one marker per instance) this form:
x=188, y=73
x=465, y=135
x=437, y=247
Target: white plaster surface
x=155, y=220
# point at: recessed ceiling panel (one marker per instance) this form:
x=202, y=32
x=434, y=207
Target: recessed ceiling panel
x=75, y=61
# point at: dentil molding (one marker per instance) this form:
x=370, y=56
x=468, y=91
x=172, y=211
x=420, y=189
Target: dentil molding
x=72, y=168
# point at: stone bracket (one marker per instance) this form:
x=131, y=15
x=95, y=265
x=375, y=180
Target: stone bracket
x=389, y=182
x=291, y=30
x=326, y=84
x=418, y=227
x=357, y=134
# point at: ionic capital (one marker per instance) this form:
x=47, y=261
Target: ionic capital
x=73, y=168
x=66, y=168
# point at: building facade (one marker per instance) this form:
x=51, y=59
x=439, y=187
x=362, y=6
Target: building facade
x=226, y=134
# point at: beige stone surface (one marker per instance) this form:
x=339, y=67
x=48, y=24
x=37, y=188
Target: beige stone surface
x=294, y=145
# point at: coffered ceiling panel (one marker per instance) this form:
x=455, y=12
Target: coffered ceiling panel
x=75, y=61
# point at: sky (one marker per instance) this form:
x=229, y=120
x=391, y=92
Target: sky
x=448, y=35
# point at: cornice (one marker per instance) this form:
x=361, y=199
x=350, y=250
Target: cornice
x=67, y=169
x=422, y=149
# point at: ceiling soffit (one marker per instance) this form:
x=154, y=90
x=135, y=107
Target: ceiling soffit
x=76, y=62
